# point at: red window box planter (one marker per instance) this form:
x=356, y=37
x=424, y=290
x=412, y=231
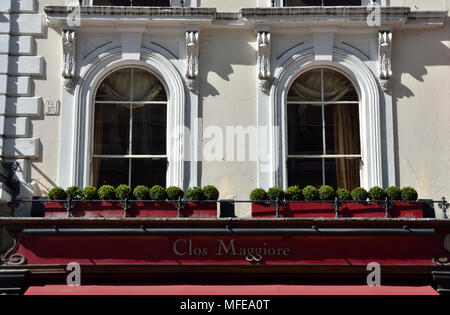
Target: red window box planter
x=309, y=210
x=294, y=210
x=137, y=210
x=363, y=210
x=85, y=210
x=378, y=210
x=199, y=210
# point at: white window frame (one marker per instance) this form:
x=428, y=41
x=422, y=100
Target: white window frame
x=128, y=156
x=272, y=113
x=77, y=118
x=323, y=156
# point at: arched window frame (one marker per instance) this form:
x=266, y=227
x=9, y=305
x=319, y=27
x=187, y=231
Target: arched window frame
x=76, y=152
x=323, y=157
x=92, y=122
x=273, y=144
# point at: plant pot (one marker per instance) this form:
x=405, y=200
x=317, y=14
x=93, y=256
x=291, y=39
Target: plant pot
x=309, y=210
x=85, y=210
x=199, y=210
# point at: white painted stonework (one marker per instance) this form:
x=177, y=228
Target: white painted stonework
x=18, y=67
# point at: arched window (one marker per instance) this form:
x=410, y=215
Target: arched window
x=130, y=130
x=323, y=130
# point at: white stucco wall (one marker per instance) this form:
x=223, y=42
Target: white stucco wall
x=228, y=98
x=421, y=64
x=227, y=5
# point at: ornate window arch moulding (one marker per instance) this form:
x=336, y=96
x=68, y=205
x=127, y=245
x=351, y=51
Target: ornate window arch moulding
x=89, y=79
x=370, y=126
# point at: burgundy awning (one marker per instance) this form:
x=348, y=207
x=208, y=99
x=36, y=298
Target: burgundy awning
x=229, y=290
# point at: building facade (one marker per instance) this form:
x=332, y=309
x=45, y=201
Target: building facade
x=238, y=94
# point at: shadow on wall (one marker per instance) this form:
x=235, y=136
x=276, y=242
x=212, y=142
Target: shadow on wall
x=414, y=51
x=221, y=50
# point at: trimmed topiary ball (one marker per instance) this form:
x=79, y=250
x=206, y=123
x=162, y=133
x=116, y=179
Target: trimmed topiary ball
x=74, y=193
x=294, y=193
x=211, y=193
x=394, y=193
x=174, y=193
x=311, y=193
x=343, y=194
x=141, y=193
x=275, y=193
x=123, y=192
x=327, y=193
x=409, y=194
x=195, y=194
x=107, y=192
x=360, y=194
x=377, y=194
x=158, y=193
x=90, y=193
x=259, y=194
x=57, y=193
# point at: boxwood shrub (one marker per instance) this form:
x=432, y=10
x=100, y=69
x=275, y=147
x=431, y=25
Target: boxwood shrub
x=343, y=194
x=275, y=193
x=294, y=193
x=377, y=194
x=409, y=194
x=174, y=193
x=259, y=194
x=360, y=194
x=211, y=193
x=195, y=194
x=158, y=193
x=74, y=193
x=57, y=193
x=107, y=192
x=394, y=193
x=141, y=193
x=327, y=193
x=90, y=193
x=123, y=192
x=311, y=193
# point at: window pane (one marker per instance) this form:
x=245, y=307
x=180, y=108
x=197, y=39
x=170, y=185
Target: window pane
x=153, y=3
x=147, y=87
x=342, y=129
x=305, y=129
x=307, y=87
x=339, y=173
x=111, y=129
x=149, y=172
x=305, y=172
x=136, y=3
x=149, y=129
x=298, y=3
x=337, y=87
x=116, y=87
x=110, y=171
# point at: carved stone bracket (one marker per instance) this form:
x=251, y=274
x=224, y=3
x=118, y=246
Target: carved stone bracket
x=385, y=49
x=69, y=59
x=192, y=57
x=264, y=66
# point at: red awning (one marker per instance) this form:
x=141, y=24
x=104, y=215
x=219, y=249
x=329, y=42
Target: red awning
x=229, y=290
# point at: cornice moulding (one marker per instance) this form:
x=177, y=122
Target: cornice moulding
x=247, y=17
